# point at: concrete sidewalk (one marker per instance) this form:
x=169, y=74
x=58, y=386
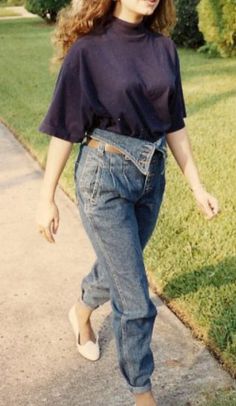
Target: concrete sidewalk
x=40, y=281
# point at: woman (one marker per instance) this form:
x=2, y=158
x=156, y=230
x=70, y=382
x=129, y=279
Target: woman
x=119, y=95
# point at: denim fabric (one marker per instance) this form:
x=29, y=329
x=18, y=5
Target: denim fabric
x=137, y=150
x=119, y=198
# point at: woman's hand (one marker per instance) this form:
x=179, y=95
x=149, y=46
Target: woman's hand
x=207, y=203
x=47, y=219
x=47, y=216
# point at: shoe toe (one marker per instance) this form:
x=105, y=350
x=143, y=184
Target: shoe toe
x=90, y=350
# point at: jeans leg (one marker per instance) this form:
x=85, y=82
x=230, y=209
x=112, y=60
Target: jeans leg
x=133, y=311
x=94, y=286
x=111, y=223
x=95, y=289
x=148, y=206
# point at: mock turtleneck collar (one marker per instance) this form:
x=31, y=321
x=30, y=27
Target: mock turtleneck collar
x=120, y=26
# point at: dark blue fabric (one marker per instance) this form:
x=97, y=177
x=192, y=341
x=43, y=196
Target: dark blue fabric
x=122, y=78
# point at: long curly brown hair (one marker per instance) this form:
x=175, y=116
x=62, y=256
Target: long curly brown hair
x=82, y=16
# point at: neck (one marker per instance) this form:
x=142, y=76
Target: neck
x=127, y=28
x=129, y=17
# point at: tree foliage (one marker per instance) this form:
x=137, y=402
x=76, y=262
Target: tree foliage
x=217, y=22
x=186, y=32
x=46, y=9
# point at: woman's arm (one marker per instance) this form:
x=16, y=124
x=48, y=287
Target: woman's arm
x=58, y=153
x=47, y=216
x=181, y=149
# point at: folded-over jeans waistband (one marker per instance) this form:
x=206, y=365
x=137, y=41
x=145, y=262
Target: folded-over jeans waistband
x=139, y=151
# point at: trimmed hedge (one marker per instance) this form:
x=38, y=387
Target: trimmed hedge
x=217, y=22
x=47, y=9
x=186, y=32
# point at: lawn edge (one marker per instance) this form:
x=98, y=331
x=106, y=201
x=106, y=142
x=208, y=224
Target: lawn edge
x=196, y=331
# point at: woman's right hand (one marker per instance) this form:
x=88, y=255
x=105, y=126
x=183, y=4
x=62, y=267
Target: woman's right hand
x=47, y=219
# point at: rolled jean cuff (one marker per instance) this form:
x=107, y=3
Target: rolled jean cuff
x=140, y=389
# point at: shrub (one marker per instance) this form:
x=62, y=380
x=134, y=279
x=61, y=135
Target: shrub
x=46, y=9
x=217, y=22
x=186, y=32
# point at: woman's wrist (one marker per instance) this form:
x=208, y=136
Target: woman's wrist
x=47, y=196
x=197, y=187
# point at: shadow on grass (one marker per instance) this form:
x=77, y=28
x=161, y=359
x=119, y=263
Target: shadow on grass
x=209, y=101
x=219, y=309
x=222, y=398
x=213, y=68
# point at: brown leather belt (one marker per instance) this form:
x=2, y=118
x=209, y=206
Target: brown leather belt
x=91, y=142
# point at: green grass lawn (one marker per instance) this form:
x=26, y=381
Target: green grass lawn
x=191, y=261
x=27, y=85
x=221, y=398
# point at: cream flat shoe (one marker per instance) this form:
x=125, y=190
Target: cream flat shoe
x=89, y=350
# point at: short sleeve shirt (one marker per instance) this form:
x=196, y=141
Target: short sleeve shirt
x=123, y=78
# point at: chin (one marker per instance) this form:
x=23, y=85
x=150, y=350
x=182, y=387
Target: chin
x=147, y=12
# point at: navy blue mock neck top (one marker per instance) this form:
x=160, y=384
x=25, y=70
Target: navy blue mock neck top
x=122, y=78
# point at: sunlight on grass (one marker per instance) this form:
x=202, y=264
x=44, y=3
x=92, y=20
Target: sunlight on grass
x=5, y=12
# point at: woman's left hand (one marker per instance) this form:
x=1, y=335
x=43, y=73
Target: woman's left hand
x=207, y=203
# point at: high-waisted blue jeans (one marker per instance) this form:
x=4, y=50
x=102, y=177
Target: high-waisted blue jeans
x=119, y=197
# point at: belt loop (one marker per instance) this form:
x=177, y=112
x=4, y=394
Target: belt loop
x=101, y=148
